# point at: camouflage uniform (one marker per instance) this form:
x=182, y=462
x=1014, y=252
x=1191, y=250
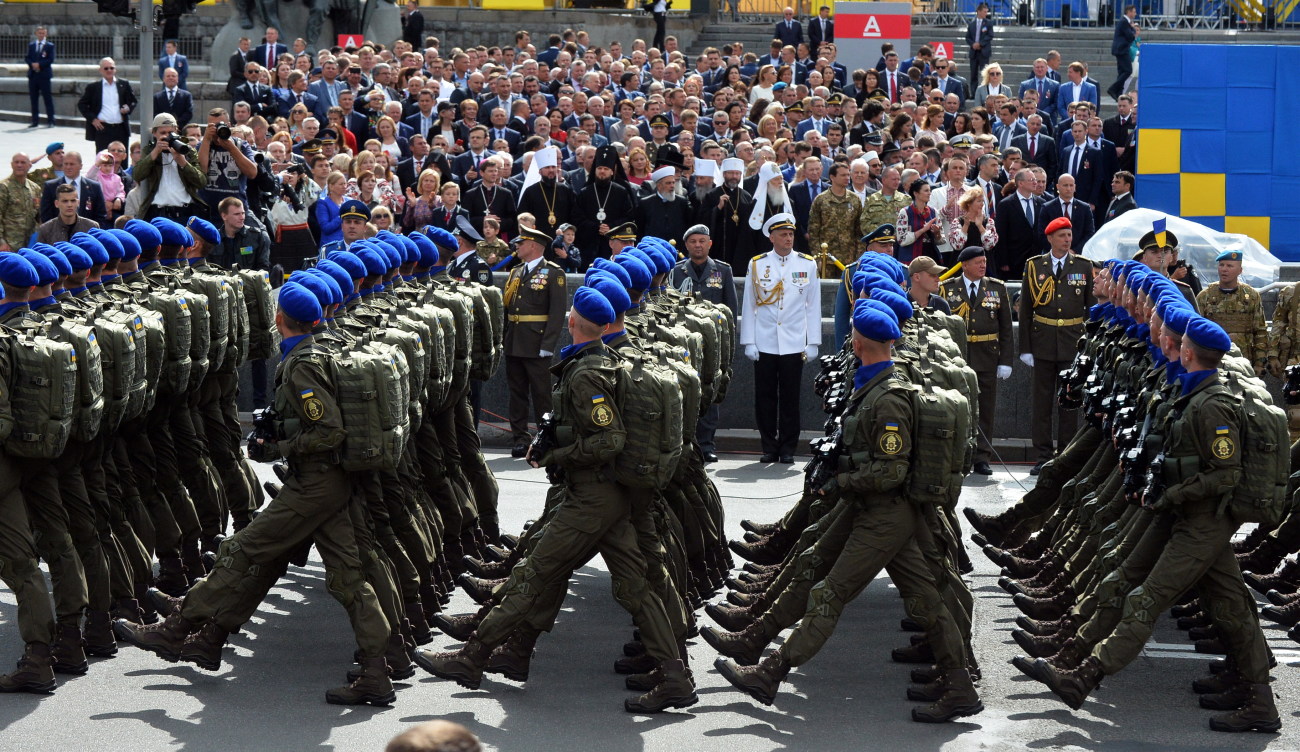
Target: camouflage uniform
x=833, y=220
x=880, y=210
x=1284, y=345
x=18, y=210
x=1241, y=314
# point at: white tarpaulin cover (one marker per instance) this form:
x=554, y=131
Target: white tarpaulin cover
x=1198, y=245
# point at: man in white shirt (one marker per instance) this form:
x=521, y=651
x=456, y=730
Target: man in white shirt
x=105, y=105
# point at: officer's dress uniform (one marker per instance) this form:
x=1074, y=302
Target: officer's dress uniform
x=1053, y=306
x=781, y=314
x=536, y=301
x=989, y=341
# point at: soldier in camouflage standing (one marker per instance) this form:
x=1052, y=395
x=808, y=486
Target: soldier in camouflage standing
x=1236, y=306
x=833, y=219
x=882, y=207
x=19, y=196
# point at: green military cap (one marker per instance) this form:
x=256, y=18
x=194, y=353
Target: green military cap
x=796, y=107
x=836, y=98
x=625, y=231
x=311, y=146
x=659, y=120
x=882, y=234
x=529, y=233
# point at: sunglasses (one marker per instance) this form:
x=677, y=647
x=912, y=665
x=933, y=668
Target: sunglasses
x=107, y=67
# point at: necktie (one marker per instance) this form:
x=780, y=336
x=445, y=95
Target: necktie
x=990, y=200
x=1056, y=268
x=171, y=62
x=1067, y=209
x=1033, y=146
x=1029, y=211
x=1041, y=86
x=893, y=87
x=974, y=290
x=171, y=97
x=1074, y=163
x=270, y=56
x=298, y=97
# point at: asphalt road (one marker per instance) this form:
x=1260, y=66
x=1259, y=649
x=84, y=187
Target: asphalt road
x=269, y=694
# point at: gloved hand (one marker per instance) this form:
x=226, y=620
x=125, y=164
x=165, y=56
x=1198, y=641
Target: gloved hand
x=1027, y=359
x=1275, y=368
x=544, y=353
x=751, y=352
x=810, y=353
x=1004, y=372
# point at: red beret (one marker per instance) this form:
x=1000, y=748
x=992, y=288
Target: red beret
x=1060, y=223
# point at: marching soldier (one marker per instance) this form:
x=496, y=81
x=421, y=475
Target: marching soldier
x=780, y=329
x=1236, y=306
x=1053, y=306
x=535, y=299
x=985, y=305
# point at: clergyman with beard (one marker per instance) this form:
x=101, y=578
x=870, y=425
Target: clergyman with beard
x=726, y=210
x=605, y=203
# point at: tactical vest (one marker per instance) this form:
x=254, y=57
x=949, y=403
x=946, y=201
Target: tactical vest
x=88, y=409
x=43, y=391
x=650, y=402
x=260, y=302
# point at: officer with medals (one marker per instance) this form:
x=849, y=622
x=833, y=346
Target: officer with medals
x=1053, y=306
x=535, y=300
x=780, y=329
x=986, y=307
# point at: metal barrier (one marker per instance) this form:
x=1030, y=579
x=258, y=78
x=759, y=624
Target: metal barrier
x=124, y=43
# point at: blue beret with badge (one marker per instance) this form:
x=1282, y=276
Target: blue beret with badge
x=299, y=303
x=204, y=229
x=1228, y=256
x=46, y=272
x=376, y=263
x=144, y=233
x=874, y=321
x=351, y=263
x=613, y=290
x=1176, y=315
x=94, y=249
x=442, y=239
x=172, y=233
x=639, y=274
x=592, y=306
x=604, y=265
x=109, y=241
x=1207, y=334
x=644, y=258
x=17, y=271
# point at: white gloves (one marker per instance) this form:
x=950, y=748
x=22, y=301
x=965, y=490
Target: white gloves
x=751, y=352
x=810, y=353
x=1004, y=372
x=1027, y=359
x=544, y=353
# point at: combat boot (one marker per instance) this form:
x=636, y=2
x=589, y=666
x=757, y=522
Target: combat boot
x=1041, y=627
x=994, y=527
x=397, y=657
x=770, y=550
x=127, y=608
x=1190, y=608
x=419, y=626
x=1021, y=568
x=929, y=691
x=744, y=600
x=464, y=666
x=1285, y=580
x=1037, y=646
x=730, y=618
x=644, y=682
x=68, y=654
x=1235, y=696
x=639, y=664
x=1071, y=685
x=1200, y=619
x=1203, y=633
x=908, y=624
x=675, y=689
x=477, y=588
x=1211, y=647
x=171, y=576
x=759, y=682
x=1258, y=714
x=459, y=627
x=746, y=646
x=753, y=568
x=162, y=602
x=759, y=528
x=1264, y=558
x=745, y=588
x=1042, y=608
x=98, y=635
x=35, y=672
x=1286, y=615
x=958, y=700
x=371, y=687
x=919, y=652
x=511, y=659
x=488, y=570
x=634, y=648
x=203, y=648
x=165, y=639
x=1278, y=598
x=1219, y=683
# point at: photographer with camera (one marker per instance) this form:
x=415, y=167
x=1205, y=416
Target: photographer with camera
x=168, y=175
x=227, y=161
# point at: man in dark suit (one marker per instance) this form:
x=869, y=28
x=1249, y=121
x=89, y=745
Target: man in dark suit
x=947, y=81
x=466, y=165
x=497, y=130
x=1119, y=129
x=1126, y=30
x=260, y=98
x=979, y=39
x=1122, y=186
x=327, y=89
x=1066, y=205
x=820, y=29
x=788, y=30
x=1084, y=163
x=1042, y=83
x=171, y=58
x=1007, y=128
x=296, y=93
x=90, y=199
x=40, y=56
x=801, y=199
x=1016, y=218
x=237, y=63
x=269, y=51
x=425, y=115
x=413, y=25
x=106, y=106
x=1038, y=148
x=356, y=123
x=174, y=100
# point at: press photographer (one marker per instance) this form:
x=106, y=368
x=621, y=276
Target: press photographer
x=168, y=177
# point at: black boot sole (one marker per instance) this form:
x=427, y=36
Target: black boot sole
x=71, y=669
x=383, y=700
x=1267, y=727
x=465, y=681
x=35, y=688
x=632, y=706
x=734, y=680
x=961, y=712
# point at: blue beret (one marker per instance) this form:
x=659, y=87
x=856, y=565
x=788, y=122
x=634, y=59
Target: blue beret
x=1176, y=317
x=1229, y=256
x=94, y=249
x=351, y=263
x=613, y=290
x=130, y=246
x=144, y=233
x=644, y=258
x=55, y=256
x=1134, y=279
x=388, y=250
x=869, y=280
x=109, y=241
x=442, y=238
x=204, y=229
x=46, y=271
x=665, y=258
x=900, y=305
x=1207, y=334
x=78, y=259
x=335, y=292
x=340, y=276
x=886, y=285
x=426, y=248
x=873, y=323
x=299, y=303
x=375, y=262
x=886, y=265
x=410, y=251
x=173, y=233
x=16, y=271
x=639, y=274
x=609, y=267
x=651, y=250
x=591, y=305
x=313, y=283
x=354, y=209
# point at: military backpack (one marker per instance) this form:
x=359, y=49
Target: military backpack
x=43, y=392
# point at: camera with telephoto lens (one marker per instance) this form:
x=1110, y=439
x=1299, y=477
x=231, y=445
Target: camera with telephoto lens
x=176, y=142
x=264, y=428
x=223, y=131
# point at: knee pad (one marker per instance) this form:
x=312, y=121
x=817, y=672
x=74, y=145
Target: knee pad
x=1112, y=590
x=822, y=600
x=1140, y=606
x=230, y=555
x=345, y=585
